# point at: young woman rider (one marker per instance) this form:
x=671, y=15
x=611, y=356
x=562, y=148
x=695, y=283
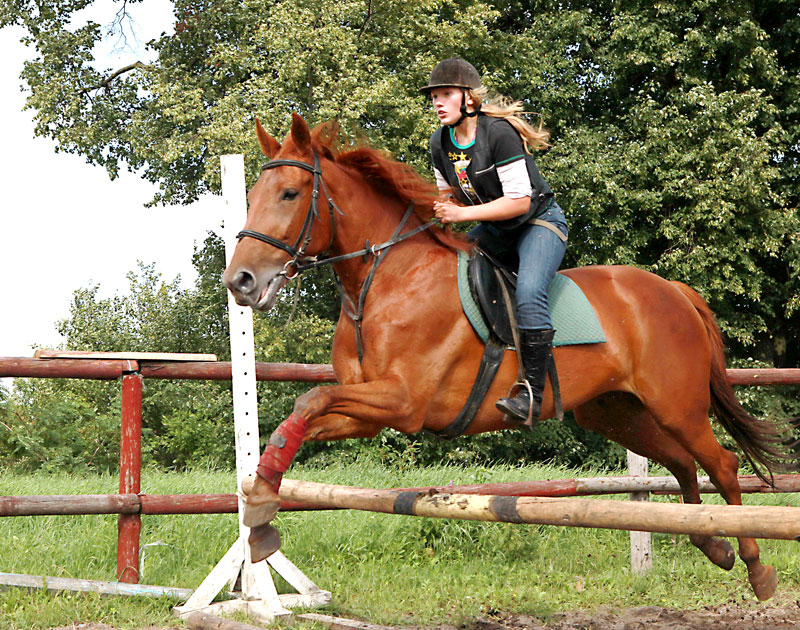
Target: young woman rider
x=482, y=155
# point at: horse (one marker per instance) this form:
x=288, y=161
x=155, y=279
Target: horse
x=405, y=355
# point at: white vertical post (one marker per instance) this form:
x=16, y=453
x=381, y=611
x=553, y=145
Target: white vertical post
x=243, y=361
x=259, y=595
x=641, y=542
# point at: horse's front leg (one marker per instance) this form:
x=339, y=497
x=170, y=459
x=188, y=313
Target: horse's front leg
x=334, y=426
x=380, y=403
x=323, y=413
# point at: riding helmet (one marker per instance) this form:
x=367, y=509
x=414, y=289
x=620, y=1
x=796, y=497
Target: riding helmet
x=453, y=72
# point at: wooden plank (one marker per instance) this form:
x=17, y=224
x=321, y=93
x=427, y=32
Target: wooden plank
x=204, y=621
x=40, y=505
x=125, y=356
x=781, y=523
x=340, y=623
x=27, y=367
x=64, y=504
x=19, y=580
x=764, y=376
x=64, y=368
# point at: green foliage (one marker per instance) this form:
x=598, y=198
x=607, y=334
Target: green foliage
x=675, y=125
x=675, y=149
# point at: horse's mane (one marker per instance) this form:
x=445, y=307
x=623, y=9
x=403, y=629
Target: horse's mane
x=390, y=177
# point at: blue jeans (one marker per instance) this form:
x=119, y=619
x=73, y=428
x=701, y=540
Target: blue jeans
x=536, y=252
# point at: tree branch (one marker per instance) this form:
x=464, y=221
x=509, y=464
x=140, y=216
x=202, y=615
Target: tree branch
x=107, y=81
x=370, y=13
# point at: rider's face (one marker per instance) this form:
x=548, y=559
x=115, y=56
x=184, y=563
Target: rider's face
x=447, y=104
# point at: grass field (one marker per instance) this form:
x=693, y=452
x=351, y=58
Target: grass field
x=382, y=568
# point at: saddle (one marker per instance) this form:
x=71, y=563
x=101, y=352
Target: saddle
x=493, y=287
x=490, y=282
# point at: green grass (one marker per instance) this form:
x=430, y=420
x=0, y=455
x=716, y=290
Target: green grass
x=382, y=568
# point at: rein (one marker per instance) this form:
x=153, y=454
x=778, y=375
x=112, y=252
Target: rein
x=302, y=263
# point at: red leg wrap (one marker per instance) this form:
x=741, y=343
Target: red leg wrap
x=283, y=445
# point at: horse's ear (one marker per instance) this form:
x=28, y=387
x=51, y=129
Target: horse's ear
x=301, y=134
x=269, y=145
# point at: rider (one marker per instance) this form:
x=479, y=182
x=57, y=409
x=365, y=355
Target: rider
x=482, y=155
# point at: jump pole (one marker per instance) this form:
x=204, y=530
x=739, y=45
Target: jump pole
x=782, y=523
x=260, y=598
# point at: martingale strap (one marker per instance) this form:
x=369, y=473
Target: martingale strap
x=356, y=311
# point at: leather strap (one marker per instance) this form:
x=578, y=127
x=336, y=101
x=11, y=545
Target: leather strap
x=550, y=227
x=490, y=363
x=356, y=311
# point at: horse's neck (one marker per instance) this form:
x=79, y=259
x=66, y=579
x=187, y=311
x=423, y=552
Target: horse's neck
x=368, y=220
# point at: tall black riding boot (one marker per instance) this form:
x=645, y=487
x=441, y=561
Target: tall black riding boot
x=535, y=346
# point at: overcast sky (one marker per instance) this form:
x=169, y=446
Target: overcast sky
x=63, y=224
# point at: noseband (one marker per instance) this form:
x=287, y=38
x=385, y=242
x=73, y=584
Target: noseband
x=301, y=262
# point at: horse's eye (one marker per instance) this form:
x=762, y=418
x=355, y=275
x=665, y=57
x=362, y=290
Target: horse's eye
x=289, y=195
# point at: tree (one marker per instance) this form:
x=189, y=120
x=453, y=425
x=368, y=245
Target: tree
x=675, y=124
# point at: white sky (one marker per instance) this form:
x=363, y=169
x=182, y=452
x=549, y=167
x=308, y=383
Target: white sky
x=63, y=224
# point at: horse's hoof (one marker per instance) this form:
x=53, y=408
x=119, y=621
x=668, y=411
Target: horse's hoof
x=264, y=540
x=765, y=584
x=720, y=552
x=261, y=502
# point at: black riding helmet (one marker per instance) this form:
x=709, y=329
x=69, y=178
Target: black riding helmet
x=455, y=72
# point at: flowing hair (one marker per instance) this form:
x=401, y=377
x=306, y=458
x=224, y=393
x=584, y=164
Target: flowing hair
x=499, y=106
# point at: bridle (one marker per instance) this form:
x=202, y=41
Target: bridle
x=298, y=259
x=302, y=263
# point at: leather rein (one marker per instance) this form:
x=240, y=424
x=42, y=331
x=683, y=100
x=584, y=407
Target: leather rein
x=302, y=263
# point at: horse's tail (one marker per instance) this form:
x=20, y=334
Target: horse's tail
x=769, y=444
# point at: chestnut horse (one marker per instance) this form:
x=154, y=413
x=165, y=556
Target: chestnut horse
x=649, y=387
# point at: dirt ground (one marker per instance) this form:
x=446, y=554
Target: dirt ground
x=732, y=616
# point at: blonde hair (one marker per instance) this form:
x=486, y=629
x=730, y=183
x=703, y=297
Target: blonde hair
x=499, y=106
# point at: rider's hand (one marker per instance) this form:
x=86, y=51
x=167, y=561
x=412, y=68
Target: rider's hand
x=448, y=212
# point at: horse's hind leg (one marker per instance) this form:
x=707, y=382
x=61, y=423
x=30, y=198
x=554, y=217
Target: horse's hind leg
x=641, y=434
x=695, y=434
x=763, y=578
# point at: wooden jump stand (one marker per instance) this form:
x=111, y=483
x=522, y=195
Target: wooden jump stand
x=259, y=597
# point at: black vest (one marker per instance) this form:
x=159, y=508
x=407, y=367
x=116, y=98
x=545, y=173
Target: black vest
x=482, y=172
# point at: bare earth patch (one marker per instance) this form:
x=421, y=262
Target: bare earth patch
x=731, y=616
x=783, y=615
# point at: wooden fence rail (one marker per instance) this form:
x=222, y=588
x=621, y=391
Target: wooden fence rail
x=130, y=505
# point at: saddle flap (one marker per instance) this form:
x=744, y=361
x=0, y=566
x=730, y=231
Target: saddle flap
x=486, y=290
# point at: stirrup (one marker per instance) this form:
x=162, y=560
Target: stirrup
x=529, y=421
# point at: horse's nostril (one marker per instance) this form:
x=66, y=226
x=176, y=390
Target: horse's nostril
x=244, y=281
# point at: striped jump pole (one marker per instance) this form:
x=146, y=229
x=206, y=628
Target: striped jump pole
x=713, y=520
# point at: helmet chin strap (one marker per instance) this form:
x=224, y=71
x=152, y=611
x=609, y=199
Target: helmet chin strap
x=464, y=113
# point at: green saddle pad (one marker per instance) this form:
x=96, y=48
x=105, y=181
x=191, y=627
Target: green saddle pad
x=573, y=316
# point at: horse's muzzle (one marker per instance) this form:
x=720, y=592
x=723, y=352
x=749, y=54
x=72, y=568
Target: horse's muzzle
x=248, y=291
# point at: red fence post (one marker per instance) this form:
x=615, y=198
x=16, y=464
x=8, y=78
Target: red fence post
x=129, y=526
